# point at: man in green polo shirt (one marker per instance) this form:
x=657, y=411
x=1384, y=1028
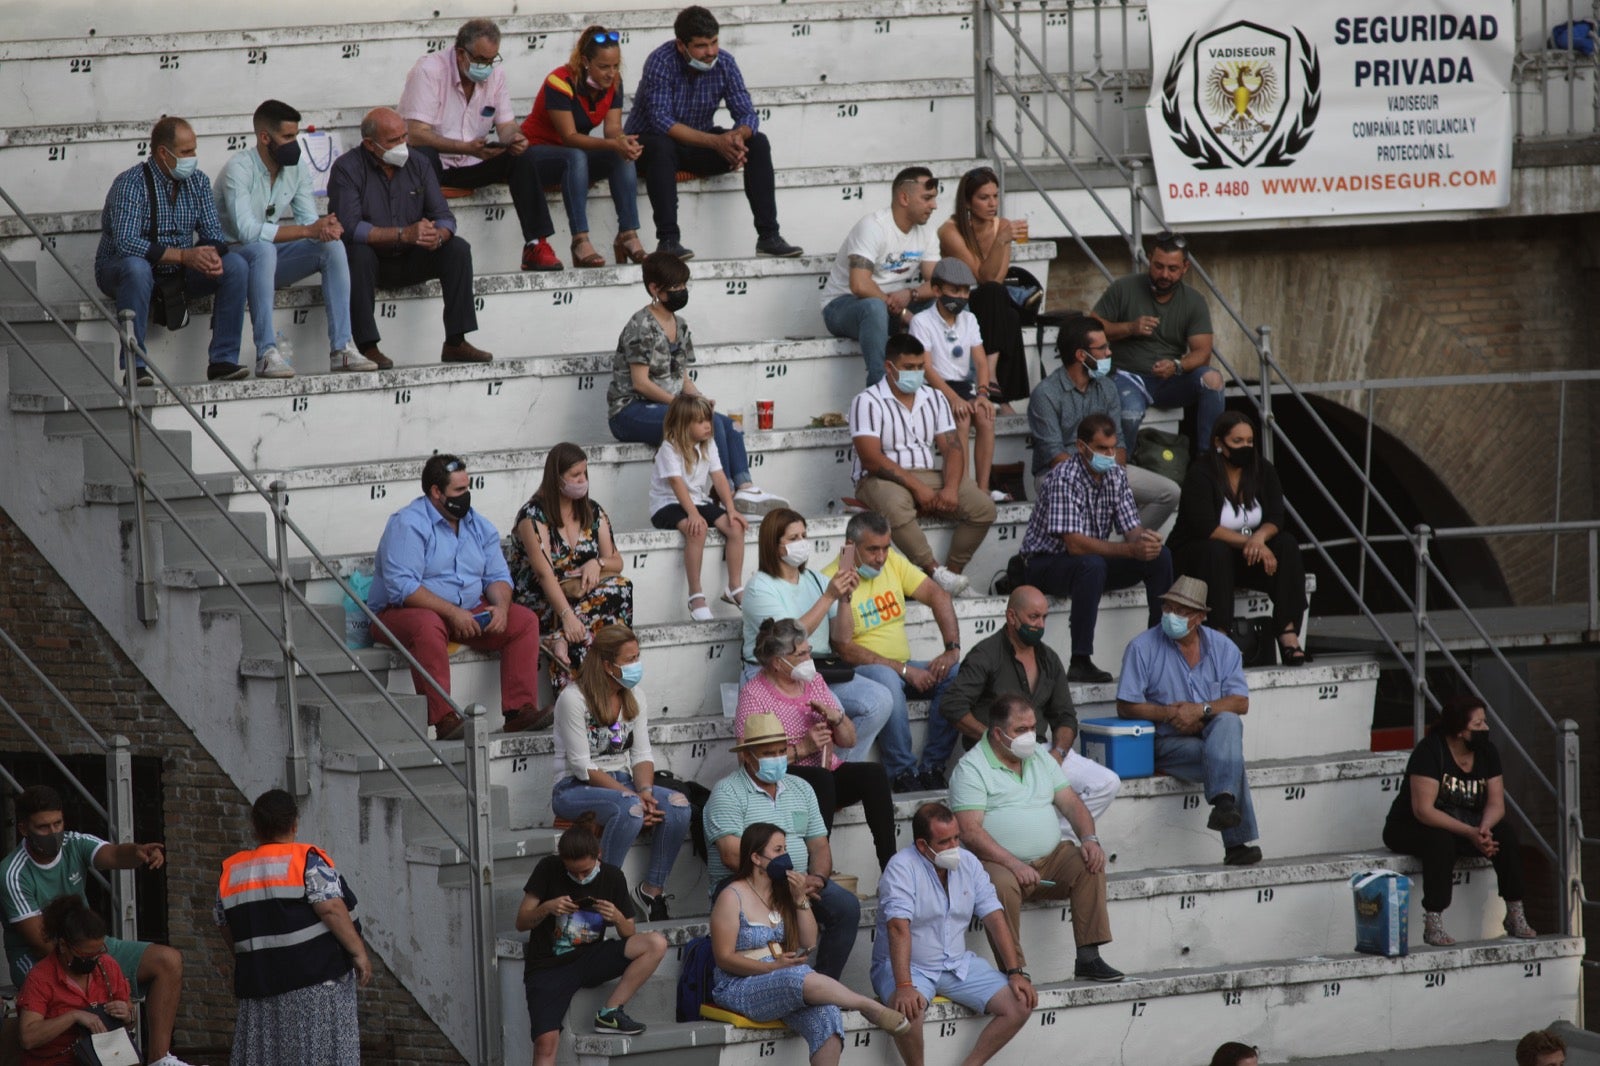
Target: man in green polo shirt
x=1007, y=792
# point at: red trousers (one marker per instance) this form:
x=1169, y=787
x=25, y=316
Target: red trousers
x=423, y=633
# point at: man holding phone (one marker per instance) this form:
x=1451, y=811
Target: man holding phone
x=440, y=576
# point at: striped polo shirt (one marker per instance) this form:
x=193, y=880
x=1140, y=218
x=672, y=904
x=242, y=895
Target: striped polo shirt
x=737, y=801
x=906, y=436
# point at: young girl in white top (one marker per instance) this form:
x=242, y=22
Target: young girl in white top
x=689, y=492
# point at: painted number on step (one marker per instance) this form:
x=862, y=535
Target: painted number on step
x=756, y=459
x=966, y=23
x=141, y=149
x=301, y=316
x=1532, y=969
x=1232, y=998
x=379, y=492
x=585, y=382
x=1257, y=605
x=536, y=41
x=863, y=1039
x=714, y=651
x=436, y=44
x=169, y=61
x=208, y=411
x=639, y=559
x=1005, y=533
x=880, y=25
x=519, y=764
x=493, y=214
x=1263, y=895
x=476, y=481
x=299, y=403
x=1330, y=989
x=767, y=1049
x=764, y=114
x=1390, y=784
x=1047, y=1018
x=850, y=192
x=822, y=282
x=800, y=29
x=1186, y=902
x=1433, y=980
x=402, y=396
x=255, y=57
x=985, y=626
x=561, y=298
x=494, y=387
x=738, y=288
x=237, y=141
x=946, y=1029
x=848, y=111
x=1056, y=18
x=694, y=373
x=1294, y=792
x=1191, y=803
x=350, y=51
x=80, y=66
x=477, y=303
x=775, y=370
x=1461, y=877
x=55, y=153
x=388, y=310
x=1327, y=692
x=1138, y=1009
x=697, y=750
x=841, y=455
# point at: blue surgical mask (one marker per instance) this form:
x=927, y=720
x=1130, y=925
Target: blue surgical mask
x=1098, y=368
x=779, y=866
x=1102, y=464
x=771, y=768
x=1175, y=626
x=868, y=572
x=182, y=168
x=631, y=674
x=480, y=72
x=910, y=380
x=594, y=873
x=702, y=65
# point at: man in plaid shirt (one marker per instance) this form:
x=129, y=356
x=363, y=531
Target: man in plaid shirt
x=1066, y=550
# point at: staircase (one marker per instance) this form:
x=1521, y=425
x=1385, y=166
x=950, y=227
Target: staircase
x=1259, y=954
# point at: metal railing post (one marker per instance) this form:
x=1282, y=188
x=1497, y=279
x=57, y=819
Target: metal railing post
x=480, y=854
x=983, y=82
x=1419, y=653
x=1135, y=215
x=296, y=773
x=1264, y=368
x=144, y=599
x=1594, y=580
x=119, y=808
x=1569, y=836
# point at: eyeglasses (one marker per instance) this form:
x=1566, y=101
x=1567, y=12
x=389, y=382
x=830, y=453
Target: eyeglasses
x=607, y=37
x=493, y=61
x=1172, y=240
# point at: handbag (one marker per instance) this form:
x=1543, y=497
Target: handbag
x=1161, y=452
x=318, y=150
x=169, y=305
x=834, y=670
x=114, y=1047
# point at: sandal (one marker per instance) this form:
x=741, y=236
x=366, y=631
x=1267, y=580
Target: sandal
x=551, y=644
x=894, y=1023
x=1291, y=656
x=593, y=259
x=734, y=597
x=701, y=613
x=627, y=248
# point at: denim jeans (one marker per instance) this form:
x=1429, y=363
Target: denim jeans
x=1180, y=390
x=130, y=280
x=1085, y=578
x=867, y=702
x=640, y=423
x=894, y=741
x=838, y=921
x=623, y=819
x=277, y=266
x=575, y=168
x=865, y=318
x=1215, y=758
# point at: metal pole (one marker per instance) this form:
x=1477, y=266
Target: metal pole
x=1366, y=496
x=144, y=600
x=119, y=806
x=1419, y=654
x=295, y=770
x=1264, y=363
x=1569, y=842
x=982, y=83
x=480, y=853
x=1555, y=538
x=1594, y=581
x=1136, y=213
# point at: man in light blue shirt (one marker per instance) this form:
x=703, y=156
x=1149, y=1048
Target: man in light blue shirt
x=264, y=202
x=440, y=576
x=926, y=896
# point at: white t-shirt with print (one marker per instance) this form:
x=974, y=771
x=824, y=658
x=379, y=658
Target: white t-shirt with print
x=944, y=341
x=896, y=257
x=669, y=464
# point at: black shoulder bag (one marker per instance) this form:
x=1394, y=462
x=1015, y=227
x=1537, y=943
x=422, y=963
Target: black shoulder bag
x=169, y=306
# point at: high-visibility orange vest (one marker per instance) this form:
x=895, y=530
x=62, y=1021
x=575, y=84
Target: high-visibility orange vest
x=279, y=942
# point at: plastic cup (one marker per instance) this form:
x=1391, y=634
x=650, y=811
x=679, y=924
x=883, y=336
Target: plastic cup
x=763, y=414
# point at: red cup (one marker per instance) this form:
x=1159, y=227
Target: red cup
x=763, y=414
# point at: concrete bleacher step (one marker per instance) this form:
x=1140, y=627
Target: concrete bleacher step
x=391, y=807
x=258, y=638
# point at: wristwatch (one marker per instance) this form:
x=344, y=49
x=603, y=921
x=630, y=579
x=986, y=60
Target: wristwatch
x=1015, y=970
x=1206, y=713
x=952, y=645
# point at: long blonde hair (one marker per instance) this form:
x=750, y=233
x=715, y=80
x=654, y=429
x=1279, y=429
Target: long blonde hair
x=595, y=683
x=683, y=414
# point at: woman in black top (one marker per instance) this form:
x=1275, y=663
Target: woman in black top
x=1454, y=803
x=1230, y=532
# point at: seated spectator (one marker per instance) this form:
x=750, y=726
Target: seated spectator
x=1081, y=386
x=459, y=118
x=785, y=586
x=160, y=226
x=1189, y=680
x=871, y=637
x=1007, y=793
x=977, y=235
x=651, y=366
x=883, y=269
x=689, y=493
x=684, y=82
x=763, y=790
x=264, y=203
x=52, y=862
x=440, y=577
x=399, y=231
x=1231, y=532
x=1160, y=334
x=1016, y=661
x=1454, y=804
x=926, y=897
x=578, y=96
x=604, y=764
x=896, y=426
x=571, y=898
x=789, y=687
x=1234, y=1053
x=1067, y=550
x=76, y=987
x=564, y=563
x=958, y=366
x=762, y=931
x=1541, y=1048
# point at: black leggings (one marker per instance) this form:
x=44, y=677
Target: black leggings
x=1439, y=848
x=1001, y=327
x=866, y=783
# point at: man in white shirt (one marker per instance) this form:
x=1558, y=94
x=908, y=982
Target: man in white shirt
x=957, y=364
x=267, y=213
x=883, y=268
x=896, y=426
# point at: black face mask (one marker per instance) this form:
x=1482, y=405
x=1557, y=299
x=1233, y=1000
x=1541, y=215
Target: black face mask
x=675, y=300
x=1241, y=456
x=954, y=304
x=458, y=506
x=45, y=845
x=81, y=966
x=1477, y=740
x=286, y=155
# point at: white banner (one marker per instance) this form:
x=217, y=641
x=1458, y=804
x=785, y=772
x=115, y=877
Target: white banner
x=1261, y=109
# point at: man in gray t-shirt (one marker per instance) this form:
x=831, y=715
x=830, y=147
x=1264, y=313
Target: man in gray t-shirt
x=1160, y=334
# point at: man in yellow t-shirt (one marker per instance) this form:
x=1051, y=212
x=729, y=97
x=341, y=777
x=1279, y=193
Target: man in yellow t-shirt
x=871, y=636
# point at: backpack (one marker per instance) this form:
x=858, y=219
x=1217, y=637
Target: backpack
x=698, y=796
x=694, y=978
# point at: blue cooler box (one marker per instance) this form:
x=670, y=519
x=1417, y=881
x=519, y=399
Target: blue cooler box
x=1383, y=912
x=1125, y=745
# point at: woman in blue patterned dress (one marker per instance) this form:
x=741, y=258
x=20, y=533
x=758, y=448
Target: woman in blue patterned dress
x=762, y=932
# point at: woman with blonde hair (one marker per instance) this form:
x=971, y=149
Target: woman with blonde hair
x=690, y=493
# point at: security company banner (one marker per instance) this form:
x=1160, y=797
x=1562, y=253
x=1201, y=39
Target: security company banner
x=1262, y=109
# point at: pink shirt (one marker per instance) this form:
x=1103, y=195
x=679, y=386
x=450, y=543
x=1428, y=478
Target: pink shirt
x=760, y=696
x=433, y=95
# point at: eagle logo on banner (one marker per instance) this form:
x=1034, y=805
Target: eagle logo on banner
x=1243, y=89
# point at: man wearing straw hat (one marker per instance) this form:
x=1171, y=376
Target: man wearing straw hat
x=763, y=790
x=1189, y=680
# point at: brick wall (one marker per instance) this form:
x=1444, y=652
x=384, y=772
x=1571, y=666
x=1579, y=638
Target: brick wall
x=208, y=818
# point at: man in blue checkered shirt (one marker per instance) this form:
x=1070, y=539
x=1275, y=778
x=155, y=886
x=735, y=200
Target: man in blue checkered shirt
x=185, y=241
x=1067, y=551
x=683, y=82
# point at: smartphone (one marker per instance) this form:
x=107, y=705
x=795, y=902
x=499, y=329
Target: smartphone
x=800, y=953
x=847, y=557
x=585, y=903
x=483, y=618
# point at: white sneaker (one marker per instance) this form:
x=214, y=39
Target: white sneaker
x=953, y=583
x=169, y=1059
x=348, y=359
x=272, y=365
x=752, y=499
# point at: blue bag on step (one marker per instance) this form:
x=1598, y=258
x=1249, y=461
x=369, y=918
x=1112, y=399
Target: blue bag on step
x=357, y=626
x=1383, y=912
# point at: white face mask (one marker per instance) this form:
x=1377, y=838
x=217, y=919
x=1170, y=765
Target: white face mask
x=803, y=671
x=797, y=552
x=397, y=156
x=1024, y=746
x=948, y=859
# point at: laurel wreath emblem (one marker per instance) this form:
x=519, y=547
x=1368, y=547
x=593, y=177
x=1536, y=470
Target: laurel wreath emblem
x=1282, y=151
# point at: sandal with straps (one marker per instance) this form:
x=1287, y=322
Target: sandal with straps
x=733, y=596
x=593, y=259
x=701, y=613
x=1292, y=656
x=627, y=248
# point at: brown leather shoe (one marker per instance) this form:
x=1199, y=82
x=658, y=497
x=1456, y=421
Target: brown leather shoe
x=463, y=353
x=450, y=727
x=529, y=719
x=377, y=356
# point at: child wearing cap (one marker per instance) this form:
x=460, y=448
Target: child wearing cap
x=957, y=364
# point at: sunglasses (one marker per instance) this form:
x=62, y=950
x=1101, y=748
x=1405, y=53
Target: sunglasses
x=453, y=465
x=608, y=37
x=1173, y=240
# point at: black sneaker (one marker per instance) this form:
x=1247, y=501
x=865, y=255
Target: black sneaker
x=142, y=378
x=775, y=247
x=933, y=780
x=654, y=907
x=1225, y=813
x=616, y=1020
x=672, y=246
x=907, y=781
x=1096, y=969
x=227, y=372
x=1241, y=855
x=1083, y=670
